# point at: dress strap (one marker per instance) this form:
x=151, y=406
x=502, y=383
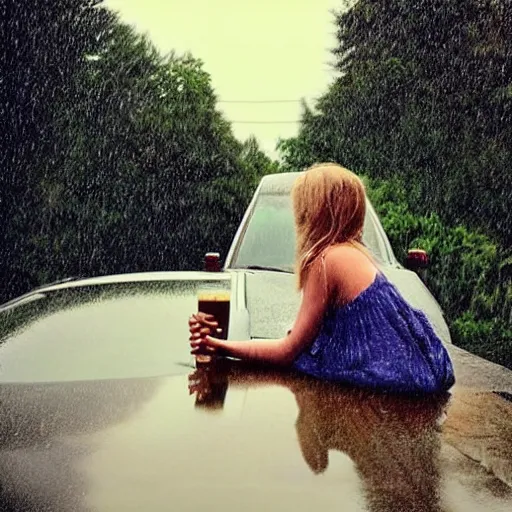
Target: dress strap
x=324, y=272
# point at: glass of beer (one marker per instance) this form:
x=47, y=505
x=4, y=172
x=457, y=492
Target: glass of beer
x=216, y=303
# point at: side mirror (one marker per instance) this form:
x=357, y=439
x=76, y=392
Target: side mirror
x=417, y=260
x=212, y=262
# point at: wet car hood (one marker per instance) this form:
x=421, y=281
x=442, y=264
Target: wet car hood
x=249, y=439
x=273, y=301
x=102, y=409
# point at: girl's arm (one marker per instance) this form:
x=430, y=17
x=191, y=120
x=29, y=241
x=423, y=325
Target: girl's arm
x=281, y=351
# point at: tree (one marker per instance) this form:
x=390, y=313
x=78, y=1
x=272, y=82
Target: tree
x=135, y=170
x=424, y=94
x=43, y=46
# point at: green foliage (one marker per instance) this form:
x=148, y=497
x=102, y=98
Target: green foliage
x=255, y=162
x=120, y=160
x=423, y=94
x=44, y=45
x=459, y=257
x=489, y=339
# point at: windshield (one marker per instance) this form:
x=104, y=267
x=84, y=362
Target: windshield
x=269, y=240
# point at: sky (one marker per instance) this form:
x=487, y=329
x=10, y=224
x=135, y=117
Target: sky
x=268, y=53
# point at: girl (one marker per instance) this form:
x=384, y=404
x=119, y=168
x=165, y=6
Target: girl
x=353, y=325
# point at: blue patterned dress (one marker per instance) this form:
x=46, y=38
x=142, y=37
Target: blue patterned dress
x=379, y=341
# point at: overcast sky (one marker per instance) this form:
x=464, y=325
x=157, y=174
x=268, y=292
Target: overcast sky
x=254, y=50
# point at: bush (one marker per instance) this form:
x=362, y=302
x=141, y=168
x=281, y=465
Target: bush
x=490, y=339
x=458, y=257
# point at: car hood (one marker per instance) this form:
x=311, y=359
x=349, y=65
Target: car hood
x=230, y=438
x=103, y=409
x=273, y=301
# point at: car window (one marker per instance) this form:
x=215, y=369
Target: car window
x=269, y=239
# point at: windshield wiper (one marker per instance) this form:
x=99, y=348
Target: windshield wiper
x=270, y=269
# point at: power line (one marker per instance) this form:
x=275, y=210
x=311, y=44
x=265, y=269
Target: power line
x=269, y=101
x=266, y=122
x=259, y=101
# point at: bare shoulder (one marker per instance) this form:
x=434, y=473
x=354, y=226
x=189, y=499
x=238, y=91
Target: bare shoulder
x=346, y=256
x=350, y=270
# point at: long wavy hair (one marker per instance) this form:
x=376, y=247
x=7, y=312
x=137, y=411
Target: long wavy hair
x=329, y=204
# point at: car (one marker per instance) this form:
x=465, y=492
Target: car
x=103, y=408
x=264, y=250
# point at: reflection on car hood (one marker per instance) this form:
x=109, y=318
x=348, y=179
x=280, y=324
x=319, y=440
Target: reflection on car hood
x=257, y=440
x=227, y=437
x=273, y=301
x=112, y=330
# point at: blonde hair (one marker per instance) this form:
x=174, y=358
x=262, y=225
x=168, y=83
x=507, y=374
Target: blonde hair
x=329, y=204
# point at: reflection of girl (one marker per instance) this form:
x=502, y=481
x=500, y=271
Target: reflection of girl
x=393, y=441
x=353, y=325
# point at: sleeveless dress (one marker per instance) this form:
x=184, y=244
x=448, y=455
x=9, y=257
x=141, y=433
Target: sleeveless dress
x=379, y=341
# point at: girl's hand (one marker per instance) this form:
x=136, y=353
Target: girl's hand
x=205, y=345
x=201, y=326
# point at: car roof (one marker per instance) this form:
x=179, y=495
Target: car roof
x=280, y=183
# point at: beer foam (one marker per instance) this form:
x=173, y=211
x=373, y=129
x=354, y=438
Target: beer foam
x=214, y=296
